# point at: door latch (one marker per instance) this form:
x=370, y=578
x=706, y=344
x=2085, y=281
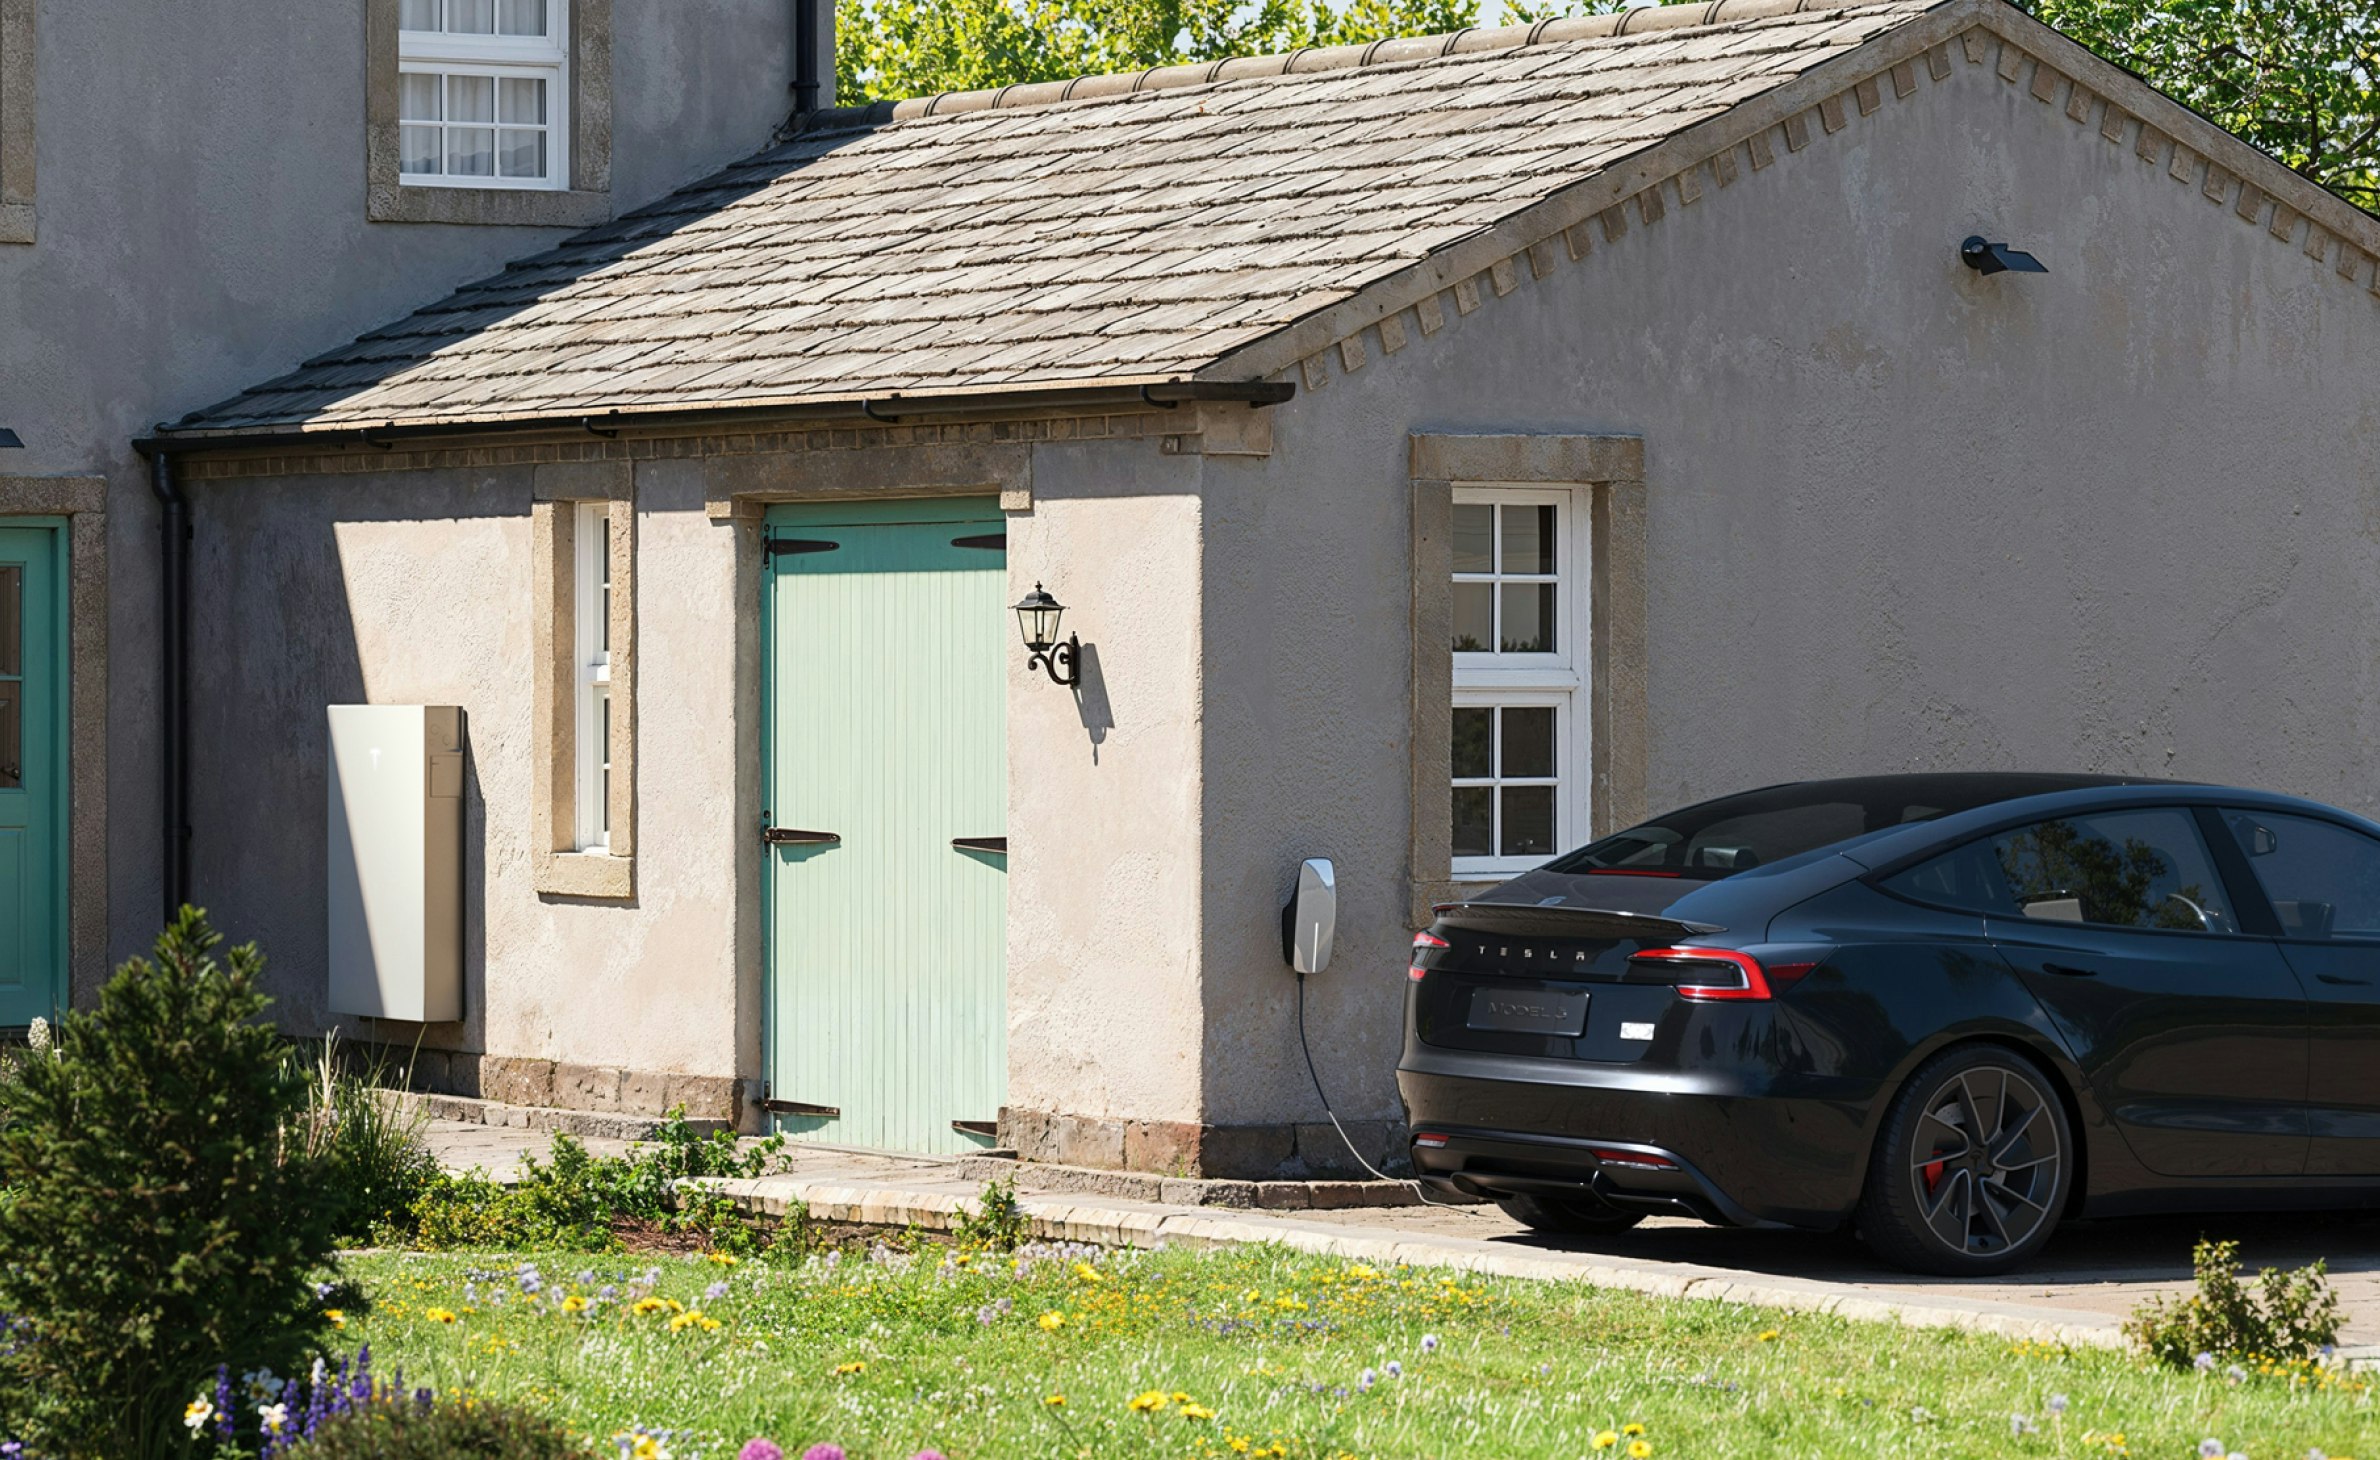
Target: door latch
x=785, y=836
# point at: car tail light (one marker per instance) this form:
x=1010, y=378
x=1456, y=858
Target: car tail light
x=1422, y=943
x=1715, y=975
x=1430, y=1139
x=1640, y=1160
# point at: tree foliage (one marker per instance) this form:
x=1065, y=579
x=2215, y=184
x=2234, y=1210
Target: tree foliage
x=2298, y=78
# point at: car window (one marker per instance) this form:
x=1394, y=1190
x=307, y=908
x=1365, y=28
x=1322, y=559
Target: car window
x=2323, y=880
x=2120, y=869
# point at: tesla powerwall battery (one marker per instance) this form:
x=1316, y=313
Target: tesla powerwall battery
x=396, y=861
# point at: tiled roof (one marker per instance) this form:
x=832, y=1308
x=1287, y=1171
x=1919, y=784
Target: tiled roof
x=1133, y=237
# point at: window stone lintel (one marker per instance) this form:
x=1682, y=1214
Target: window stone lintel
x=17, y=52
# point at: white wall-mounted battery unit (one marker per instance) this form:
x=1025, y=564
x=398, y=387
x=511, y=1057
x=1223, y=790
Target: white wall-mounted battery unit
x=396, y=861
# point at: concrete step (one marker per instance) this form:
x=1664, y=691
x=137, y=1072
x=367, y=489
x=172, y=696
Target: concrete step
x=1187, y=1191
x=585, y=1124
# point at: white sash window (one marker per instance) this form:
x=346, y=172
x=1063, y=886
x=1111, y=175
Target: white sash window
x=481, y=88
x=593, y=605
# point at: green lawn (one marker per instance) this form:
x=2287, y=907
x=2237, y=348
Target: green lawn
x=1261, y=1351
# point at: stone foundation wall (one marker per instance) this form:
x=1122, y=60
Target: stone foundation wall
x=1183, y=1148
x=556, y=1084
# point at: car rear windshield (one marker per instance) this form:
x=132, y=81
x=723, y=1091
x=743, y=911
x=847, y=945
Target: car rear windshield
x=1737, y=833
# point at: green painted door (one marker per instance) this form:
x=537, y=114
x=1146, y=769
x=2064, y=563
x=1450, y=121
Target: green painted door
x=32, y=774
x=885, y=632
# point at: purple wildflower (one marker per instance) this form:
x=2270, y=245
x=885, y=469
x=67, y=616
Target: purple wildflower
x=759, y=1449
x=1366, y=1380
x=223, y=1402
x=927, y=1455
x=823, y=1452
x=1395, y=1369
x=714, y=1292
x=1429, y=1343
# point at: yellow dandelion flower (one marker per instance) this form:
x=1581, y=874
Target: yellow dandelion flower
x=1197, y=1411
x=337, y=1316
x=1607, y=1439
x=1056, y=1401
x=1180, y=1397
x=1769, y=1335
x=574, y=1304
x=1238, y=1443
x=854, y=1367
x=1051, y=1321
x=1638, y=1450
x=439, y=1315
x=1362, y=1272
x=691, y=1318
x=1088, y=1273
x=1147, y=1402
x=723, y=1259
x=1632, y=1430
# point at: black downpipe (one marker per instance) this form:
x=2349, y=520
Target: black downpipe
x=173, y=588
x=805, y=57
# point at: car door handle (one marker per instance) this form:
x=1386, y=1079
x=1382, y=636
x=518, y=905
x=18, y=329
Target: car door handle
x=2068, y=970
x=980, y=844
x=2353, y=983
x=782, y=836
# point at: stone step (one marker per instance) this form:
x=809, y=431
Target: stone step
x=585, y=1124
x=1186, y=1191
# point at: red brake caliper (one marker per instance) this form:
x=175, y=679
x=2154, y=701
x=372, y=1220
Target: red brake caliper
x=1933, y=1173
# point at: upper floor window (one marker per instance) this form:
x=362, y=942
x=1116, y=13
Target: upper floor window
x=481, y=93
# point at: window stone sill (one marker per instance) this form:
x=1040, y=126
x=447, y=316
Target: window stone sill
x=587, y=874
x=16, y=222
x=498, y=207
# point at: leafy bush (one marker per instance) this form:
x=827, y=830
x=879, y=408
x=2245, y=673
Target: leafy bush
x=998, y=1223
x=366, y=1144
x=159, y=1224
x=2288, y=1315
x=575, y=1201
x=393, y=1428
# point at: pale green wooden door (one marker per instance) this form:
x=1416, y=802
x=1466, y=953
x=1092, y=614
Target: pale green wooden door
x=32, y=775
x=886, y=636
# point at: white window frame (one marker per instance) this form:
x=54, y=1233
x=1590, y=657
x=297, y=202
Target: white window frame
x=590, y=624
x=1559, y=679
x=545, y=58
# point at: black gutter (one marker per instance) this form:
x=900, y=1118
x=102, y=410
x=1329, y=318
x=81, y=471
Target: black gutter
x=173, y=591
x=805, y=57
x=880, y=411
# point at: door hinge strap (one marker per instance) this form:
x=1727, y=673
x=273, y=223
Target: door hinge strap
x=801, y=1107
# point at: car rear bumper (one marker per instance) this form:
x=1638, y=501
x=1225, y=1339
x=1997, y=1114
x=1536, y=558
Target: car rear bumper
x=1737, y=1157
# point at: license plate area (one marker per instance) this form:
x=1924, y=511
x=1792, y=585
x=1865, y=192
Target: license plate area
x=1529, y=1011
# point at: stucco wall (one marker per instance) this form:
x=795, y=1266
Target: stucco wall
x=2121, y=517
x=201, y=228
x=415, y=588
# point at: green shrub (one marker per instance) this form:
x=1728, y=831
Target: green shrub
x=574, y=1201
x=400, y=1429
x=159, y=1224
x=2288, y=1315
x=366, y=1144
x=998, y=1223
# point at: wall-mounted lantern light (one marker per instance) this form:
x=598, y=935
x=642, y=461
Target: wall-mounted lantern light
x=1986, y=257
x=1037, y=619
x=9, y=438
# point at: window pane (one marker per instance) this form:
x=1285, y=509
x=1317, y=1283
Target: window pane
x=471, y=98
x=471, y=17
x=603, y=597
x=1528, y=742
x=1528, y=539
x=1474, y=537
x=417, y=96
x=522, y=17
x=12, y=619
x=417, y=15
x=2126, y=869
x=1528, y=618
x=1474, y=617
x=2322, y=878
x=12, y=736
x=1472, y=727
x=471, y=151
x=522, y=99
x=418, y=151
x=1528, y=821
x=1474, y=810
x=522, y=154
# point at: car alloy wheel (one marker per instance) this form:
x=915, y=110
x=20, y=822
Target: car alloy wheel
x=1972, y=1168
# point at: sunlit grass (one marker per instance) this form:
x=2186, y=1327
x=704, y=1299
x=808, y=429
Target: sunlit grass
x=1261, y=1351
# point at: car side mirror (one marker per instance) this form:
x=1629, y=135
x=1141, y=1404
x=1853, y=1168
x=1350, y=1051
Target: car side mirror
x=1311, y=919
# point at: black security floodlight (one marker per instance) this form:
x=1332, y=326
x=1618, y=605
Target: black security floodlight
x=1985, y=257
x=9, y=439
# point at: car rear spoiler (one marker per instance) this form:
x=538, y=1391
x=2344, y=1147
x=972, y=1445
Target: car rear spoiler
x=1521, y=920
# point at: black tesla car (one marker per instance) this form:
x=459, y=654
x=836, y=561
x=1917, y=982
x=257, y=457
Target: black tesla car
x=1951, y=1009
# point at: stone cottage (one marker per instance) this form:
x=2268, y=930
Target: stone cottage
x=1443, y=451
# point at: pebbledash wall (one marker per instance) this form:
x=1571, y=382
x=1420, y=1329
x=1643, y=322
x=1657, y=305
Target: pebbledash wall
x=1867, y=511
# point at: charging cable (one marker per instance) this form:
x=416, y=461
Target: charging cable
x=1307, y=1050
